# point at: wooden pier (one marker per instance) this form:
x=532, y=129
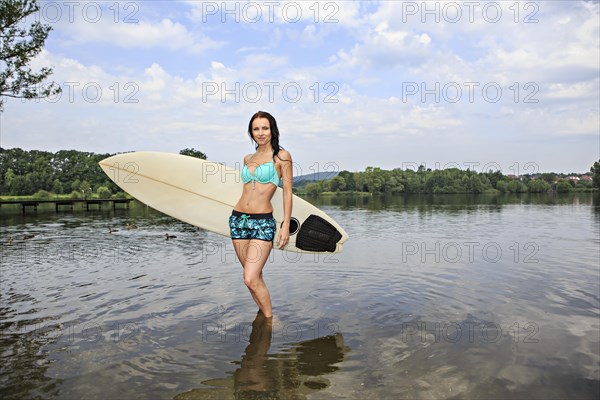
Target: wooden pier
x=33, y=204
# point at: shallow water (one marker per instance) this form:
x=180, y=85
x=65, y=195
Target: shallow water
x=433, y=297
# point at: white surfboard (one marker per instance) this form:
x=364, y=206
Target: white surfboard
x=203, y=194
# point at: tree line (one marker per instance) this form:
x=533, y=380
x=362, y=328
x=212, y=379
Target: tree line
x=77, y=174
x=65, y=172
x=453, y=180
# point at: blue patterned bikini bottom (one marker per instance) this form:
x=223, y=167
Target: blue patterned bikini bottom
x=252, y=226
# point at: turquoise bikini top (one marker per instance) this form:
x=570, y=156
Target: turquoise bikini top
x=264, y=173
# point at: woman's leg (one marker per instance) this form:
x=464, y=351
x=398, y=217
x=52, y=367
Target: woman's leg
x=257, y=253
x=241, y=250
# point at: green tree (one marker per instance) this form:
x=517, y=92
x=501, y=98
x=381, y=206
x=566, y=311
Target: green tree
x=336, y=184
x=21, y=186
x=549, y=177
x=60, y=172
x=502, y=185
x=415, y=181
x=75, y=185
x=57, y=186
x=374, y=178
x=494, y=177
x=478, y=183
x=595, y=170
x=42, y=173
x=193, y=153
x=563, y=185
x=314, y=188
x=9, y=178
x=85, y=189
x=359, y=182
x=516, y=186
x=103, y=192
x=538, y=186
x=348, y=177
x=18, y=45
x=583, y=185
x=16, y=159
x=393, y=185
x=42, y=195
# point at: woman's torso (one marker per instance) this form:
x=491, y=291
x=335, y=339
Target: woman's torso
x=256, y=195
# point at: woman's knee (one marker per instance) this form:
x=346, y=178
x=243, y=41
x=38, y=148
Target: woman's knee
x=252, y=281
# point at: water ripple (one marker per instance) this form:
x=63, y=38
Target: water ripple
x=88, y=313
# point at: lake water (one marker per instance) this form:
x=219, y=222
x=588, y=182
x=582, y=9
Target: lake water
x=432, y=298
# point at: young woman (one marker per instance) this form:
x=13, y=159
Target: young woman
x=251, y=222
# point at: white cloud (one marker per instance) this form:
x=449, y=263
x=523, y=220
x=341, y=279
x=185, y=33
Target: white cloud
x=370, y=52
x=383, y=47
x=275, y=12
x=574, y=91
x=144, y=34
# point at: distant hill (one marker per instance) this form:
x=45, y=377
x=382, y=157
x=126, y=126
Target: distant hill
x=302, y=180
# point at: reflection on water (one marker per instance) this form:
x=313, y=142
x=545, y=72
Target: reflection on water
x=450, y=201
x=291, y=373
x=24, y=362
x=437, y=297
x=472, y=358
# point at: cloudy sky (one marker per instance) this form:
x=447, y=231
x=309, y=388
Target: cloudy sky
x=476, y=84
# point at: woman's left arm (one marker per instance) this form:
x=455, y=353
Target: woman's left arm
x=286, y=176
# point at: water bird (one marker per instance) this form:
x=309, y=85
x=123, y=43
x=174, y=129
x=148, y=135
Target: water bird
x=131, y=226
x=167, y=236
x=28, y=236
x=111, y=230
x=10, y=241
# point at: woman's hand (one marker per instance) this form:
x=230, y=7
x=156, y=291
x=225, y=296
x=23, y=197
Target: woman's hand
x=284, y=235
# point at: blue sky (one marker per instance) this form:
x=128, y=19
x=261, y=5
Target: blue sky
x=509, y=85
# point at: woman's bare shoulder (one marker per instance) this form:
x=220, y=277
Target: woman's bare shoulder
x=284, y=155
x=247, y=158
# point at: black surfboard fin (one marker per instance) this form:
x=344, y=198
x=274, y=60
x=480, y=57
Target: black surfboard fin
x=318, y=235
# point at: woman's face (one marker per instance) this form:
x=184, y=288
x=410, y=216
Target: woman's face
x=261, y=131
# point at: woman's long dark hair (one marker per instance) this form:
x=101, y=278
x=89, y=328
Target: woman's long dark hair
x=274, y=131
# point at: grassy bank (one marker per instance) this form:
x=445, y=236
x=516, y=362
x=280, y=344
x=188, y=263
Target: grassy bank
x=63, y=197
